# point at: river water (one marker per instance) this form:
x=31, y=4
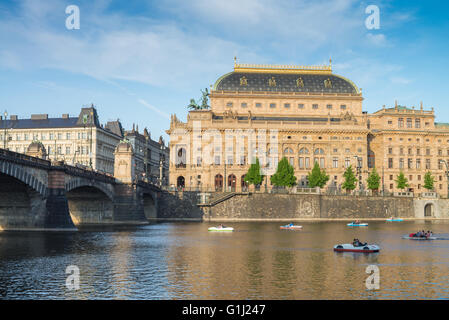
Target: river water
x=256, y=261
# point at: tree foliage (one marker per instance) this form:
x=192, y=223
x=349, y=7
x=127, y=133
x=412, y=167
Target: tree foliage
x=253, y=175
x=317, y=177
x=350, y=179
x=285, y=174
x=401, y=181
x=373, y=180
x=428, y=181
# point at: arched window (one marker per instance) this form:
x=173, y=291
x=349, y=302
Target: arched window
x=303, y=151
x=288, y=151
x=319, y=151
x=181, y=157
x=180, y=182
x=218, y=182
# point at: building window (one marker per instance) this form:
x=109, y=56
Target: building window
x=390, y=122
x=272, y=105
x=51, y=136
x=410, y=152
x=417, y=123
x=335, y=163
x=400, y=122
x=258, y=105
x=307, y=160
x=300, y=106
x=347, y=162
x=229, y=104
x=427, y=152
x=287, y=105
x=244, y=105
x=301, y=163
x=418, y=163
x=401, y=163
x=409, y=123
x=410, y=163
x=343, y=107
x=427, y=163
x=67, y=135
x=67, y=150
x=390, y=150
x=314, y=106
x=329, y=106
x=59, y=136
x=217, y=160
x=390, y=163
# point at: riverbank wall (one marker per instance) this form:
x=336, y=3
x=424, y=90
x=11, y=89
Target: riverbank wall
x=184, y=206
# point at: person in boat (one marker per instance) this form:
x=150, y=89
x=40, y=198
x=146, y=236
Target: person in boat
x=358, y=243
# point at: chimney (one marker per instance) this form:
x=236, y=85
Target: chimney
x=65, y=116
x=39, y=116
x=13, y=117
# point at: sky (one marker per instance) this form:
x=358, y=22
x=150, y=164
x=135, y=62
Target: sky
x=141, y=61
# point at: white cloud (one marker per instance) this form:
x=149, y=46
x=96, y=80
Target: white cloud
x=379, y=40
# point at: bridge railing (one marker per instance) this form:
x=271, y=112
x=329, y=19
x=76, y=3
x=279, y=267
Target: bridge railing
x=88, y=173
x=20, y=157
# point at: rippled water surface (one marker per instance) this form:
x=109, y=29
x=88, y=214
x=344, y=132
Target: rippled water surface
x=257, y=261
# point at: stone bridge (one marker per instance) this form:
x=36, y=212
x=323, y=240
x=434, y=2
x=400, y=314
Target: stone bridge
x=36, y=194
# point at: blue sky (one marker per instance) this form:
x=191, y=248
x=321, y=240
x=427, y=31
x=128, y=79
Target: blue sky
x=140, y=61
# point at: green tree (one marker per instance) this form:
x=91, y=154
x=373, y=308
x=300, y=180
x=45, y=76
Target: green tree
x=285, y=174
x=401, y=181
x=253, y=175
x=350, y=180
x=428, y=181
x=317, y=177
x=373, y=180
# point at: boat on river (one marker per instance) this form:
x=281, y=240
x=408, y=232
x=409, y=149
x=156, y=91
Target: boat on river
x=395, y=220
x=291, y=226
x=349, y=247
x=221, y=229
x=353, y=224
x=413, y=237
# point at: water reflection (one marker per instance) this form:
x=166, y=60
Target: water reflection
x=257, y=261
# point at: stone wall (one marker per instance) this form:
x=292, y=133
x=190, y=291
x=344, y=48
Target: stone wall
x=179, y=206
x=349, y=207
x=262, y=206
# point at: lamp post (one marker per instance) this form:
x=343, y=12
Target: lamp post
x=161, y=165
x=4, y=137
x=359, y=171
x=447, y=174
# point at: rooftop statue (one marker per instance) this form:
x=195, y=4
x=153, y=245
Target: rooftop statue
x=204, y=101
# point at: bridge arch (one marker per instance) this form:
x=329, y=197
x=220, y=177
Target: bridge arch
x=18, y=172
x=149, y=205
x=89, y=205
x=76, y=183
x=21, y=207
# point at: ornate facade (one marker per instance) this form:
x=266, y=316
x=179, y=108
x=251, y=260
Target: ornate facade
x=307, y=114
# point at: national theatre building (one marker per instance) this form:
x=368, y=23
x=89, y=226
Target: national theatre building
x=306, y=114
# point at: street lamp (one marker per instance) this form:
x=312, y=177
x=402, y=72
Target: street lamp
x=447, y=174
x=359, y=171
x=4, y=138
